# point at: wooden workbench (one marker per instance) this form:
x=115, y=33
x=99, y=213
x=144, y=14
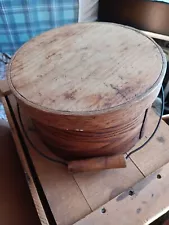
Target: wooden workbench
x=137, y=194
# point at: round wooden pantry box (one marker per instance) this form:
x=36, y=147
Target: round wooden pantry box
x=88, y=86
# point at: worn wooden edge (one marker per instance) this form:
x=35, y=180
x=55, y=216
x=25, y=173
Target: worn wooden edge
x=166, y=118
x=141, y=204
x=156, y=35
x=4, y=88
x=30, y=181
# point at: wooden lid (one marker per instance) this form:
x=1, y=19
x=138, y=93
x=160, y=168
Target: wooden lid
x=84, y=68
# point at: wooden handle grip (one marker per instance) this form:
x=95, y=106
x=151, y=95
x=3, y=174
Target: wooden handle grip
x=4, y=88
x=94, y=164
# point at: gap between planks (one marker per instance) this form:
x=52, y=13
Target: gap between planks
x=148, y=201
x=82, y=192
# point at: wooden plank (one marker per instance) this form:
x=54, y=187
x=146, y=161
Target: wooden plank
x=147, y=201
x=155, y=35
x=4, y=88
x=156, y=153
x=66, y=201
x=100, y=187
x=29, y=178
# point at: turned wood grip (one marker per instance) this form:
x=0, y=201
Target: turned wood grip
x=4, y=88
x=100, y=163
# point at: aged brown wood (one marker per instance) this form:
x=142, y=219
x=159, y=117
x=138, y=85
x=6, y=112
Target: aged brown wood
x=4, y=88
x=85, y=91
x=146, y=15
x=95, y=164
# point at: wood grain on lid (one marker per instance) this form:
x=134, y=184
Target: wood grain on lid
x=85, y=68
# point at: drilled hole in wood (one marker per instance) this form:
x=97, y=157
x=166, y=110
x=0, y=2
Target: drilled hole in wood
x=158, y=176
x=131, y=192
x=103, y=210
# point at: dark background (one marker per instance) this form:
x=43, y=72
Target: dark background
x=142, y=14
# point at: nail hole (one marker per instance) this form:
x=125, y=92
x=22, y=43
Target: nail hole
x=158, y=176
x=103, y=210
x=131, y=192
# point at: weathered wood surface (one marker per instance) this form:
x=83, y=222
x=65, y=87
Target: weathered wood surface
x=141, y=204
x=73, y=70
x=4, y=88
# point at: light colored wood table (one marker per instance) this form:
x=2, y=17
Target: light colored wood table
x=137, y=194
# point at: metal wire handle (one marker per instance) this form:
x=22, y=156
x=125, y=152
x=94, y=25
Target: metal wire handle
x=5, y=58
x=156, y=128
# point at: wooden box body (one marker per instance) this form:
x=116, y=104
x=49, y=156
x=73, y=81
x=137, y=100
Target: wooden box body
x=87, y=87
